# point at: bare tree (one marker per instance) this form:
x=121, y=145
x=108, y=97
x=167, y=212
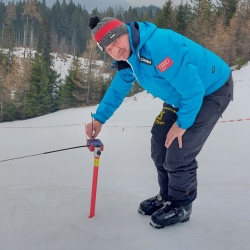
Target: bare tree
x=202, y=26
x=90, y=56
x=10, y=13
x=31, y=13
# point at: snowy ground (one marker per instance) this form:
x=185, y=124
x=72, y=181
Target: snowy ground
x=44, y=200
x=61, y=62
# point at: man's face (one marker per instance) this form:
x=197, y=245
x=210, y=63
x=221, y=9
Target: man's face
x=119, y=49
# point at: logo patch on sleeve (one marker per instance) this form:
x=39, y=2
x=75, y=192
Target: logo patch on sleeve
x=165, y=64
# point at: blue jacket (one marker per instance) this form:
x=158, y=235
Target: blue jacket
x=169, y=66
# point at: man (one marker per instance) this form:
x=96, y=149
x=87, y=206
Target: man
x=196, y=87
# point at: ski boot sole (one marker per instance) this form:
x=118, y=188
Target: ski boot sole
x=172, y=222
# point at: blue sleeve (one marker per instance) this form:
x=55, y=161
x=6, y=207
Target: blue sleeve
x=119, y=88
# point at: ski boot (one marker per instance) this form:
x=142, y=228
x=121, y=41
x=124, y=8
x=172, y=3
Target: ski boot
x=149, y=206
x=170, y=214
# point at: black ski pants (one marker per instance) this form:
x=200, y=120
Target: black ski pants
x=176, y=166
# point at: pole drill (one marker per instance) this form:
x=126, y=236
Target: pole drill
x=96, y=146
x=94, y=182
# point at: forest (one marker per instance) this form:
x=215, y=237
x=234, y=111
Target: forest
x=31, y=87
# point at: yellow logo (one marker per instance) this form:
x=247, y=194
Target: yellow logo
x=158, y=119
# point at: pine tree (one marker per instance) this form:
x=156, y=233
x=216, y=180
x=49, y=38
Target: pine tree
x=44, y=47
x=166, y=17
x=36, y=100
x=71, y=93
x=109, y=12
x=3, y=73
x=95, y=12
x=131, y=15
x=204, y=20
x=227, y=9
x=15, y=90
x=183, y=18
x=90, y=56
x=18, y=24
x=65, y=21
x=42, y=96
x=78, y=37
x=148, y=15
x=13, y=86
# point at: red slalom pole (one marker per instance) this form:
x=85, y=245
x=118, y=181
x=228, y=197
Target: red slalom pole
x=94, y=186
x=96, y=146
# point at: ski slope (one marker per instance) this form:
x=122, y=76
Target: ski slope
x=44, y=200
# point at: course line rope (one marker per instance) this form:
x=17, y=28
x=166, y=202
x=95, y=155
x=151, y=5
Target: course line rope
x=110, y=126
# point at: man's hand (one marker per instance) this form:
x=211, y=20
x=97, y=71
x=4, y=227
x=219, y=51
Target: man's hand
x=93, y=129
x=174, y=132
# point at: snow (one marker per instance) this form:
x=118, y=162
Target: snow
x=61, y=62
x=44, y=200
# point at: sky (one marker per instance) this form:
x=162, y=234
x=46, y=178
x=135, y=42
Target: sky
x=45, y=199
